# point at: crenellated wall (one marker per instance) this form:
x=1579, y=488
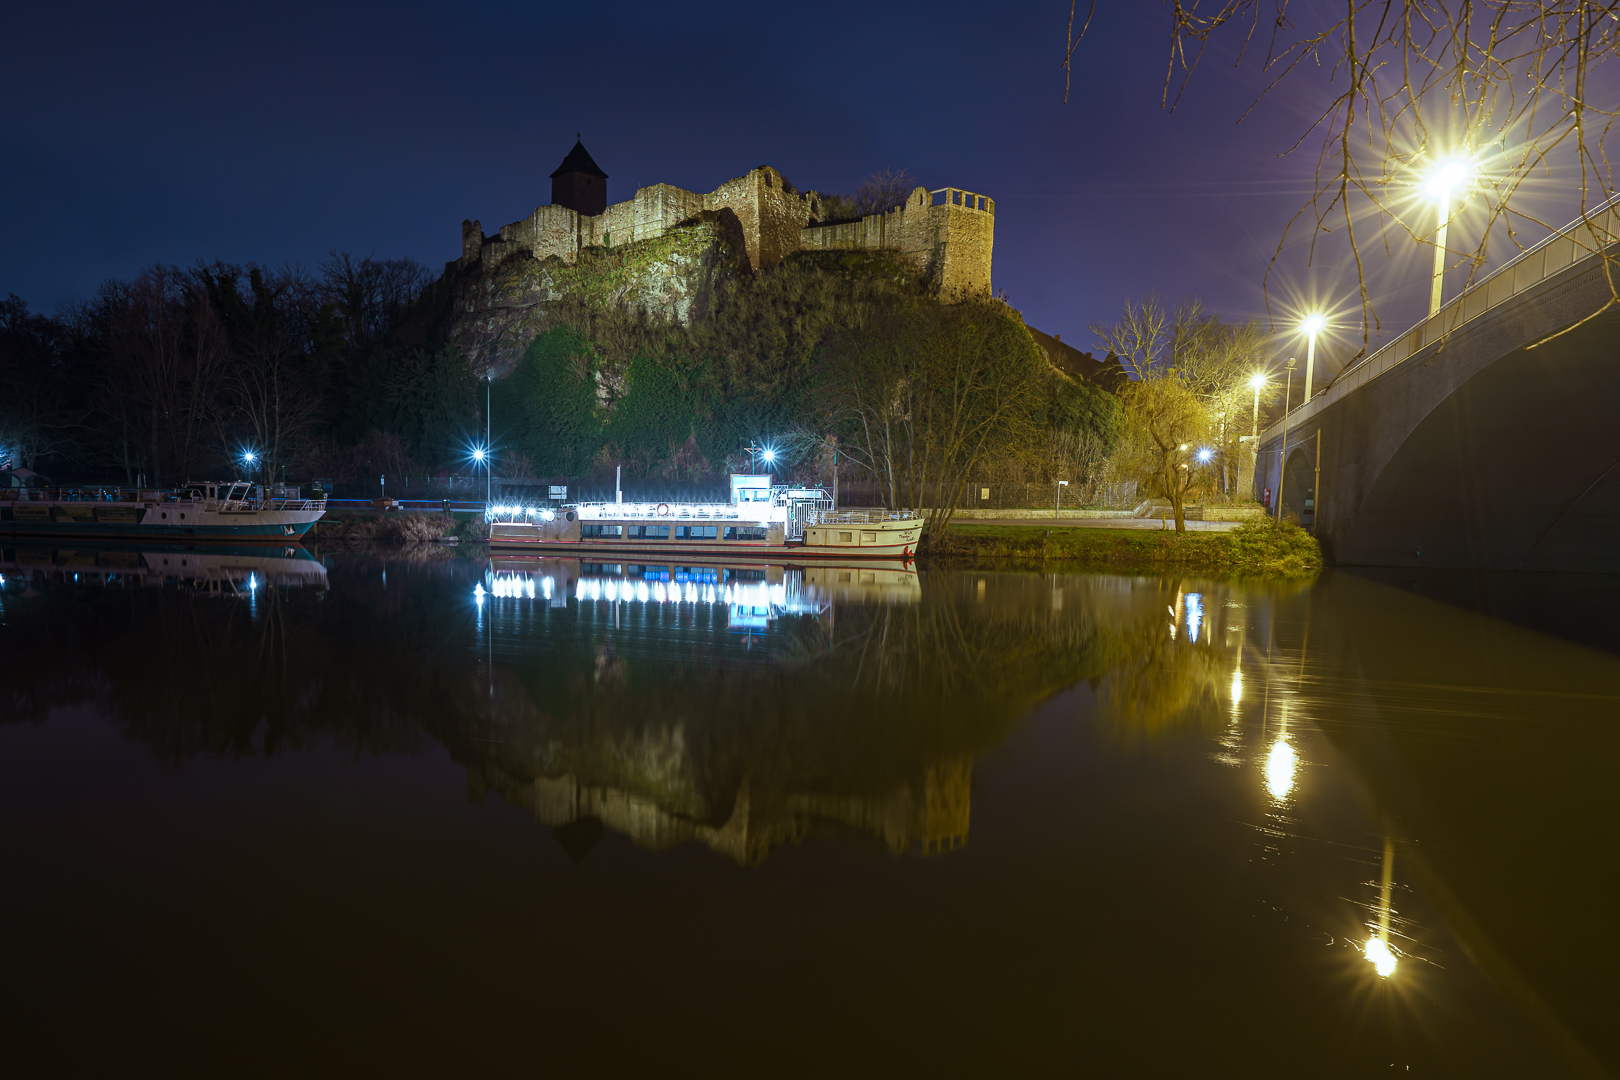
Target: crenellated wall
x=948, y=233
x=950, y=240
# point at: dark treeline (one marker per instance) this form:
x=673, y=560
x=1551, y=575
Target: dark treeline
x=180, y=373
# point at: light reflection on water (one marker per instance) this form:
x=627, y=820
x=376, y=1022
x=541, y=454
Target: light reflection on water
x=1371, y=789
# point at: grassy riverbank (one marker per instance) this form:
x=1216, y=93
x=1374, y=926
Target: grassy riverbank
x=1253, y=548
x=393, y=527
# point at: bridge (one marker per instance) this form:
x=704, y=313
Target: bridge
x=1459, y=444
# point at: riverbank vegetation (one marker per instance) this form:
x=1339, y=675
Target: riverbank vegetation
x=1191, y=373
x=1261, y=548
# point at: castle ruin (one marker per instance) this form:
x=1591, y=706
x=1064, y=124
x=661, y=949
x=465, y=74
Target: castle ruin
x=947, y=233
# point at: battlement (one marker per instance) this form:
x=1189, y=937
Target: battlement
x=949, y=240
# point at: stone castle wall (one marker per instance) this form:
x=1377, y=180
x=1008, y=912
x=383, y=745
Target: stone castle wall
x=950, y=241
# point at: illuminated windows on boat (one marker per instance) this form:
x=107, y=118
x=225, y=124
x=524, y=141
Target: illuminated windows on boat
x=587, y=532
x=744, y=532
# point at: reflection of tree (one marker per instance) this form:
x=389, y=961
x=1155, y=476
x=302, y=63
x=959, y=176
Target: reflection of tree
x=862, y=722
x=1157, y=677
x=195, y=675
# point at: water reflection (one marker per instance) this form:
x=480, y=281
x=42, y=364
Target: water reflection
x=1281, y=764
x=1379, y=792
x=1377, y=949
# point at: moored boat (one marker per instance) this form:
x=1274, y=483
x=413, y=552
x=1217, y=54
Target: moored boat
x=233, y=511
x=760, y=521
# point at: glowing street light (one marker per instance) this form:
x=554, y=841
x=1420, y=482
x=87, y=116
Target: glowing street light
x=1204, y=454
x=769, y=455
x=1259, y=384
x=1312, y=325
x=1447, y=177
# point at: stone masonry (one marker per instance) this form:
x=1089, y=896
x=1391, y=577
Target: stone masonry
x=948, y=234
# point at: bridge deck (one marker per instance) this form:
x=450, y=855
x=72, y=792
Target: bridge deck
x=1552, y=255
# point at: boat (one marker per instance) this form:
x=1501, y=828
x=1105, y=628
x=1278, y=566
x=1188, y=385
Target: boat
x=217, y=571
x=760, y=521
x=748, y=596
x=202, y=510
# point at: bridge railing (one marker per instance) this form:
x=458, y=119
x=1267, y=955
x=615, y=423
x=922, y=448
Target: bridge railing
x=1551, y=256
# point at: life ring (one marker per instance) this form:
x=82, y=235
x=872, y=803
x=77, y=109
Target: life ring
x=663, y=509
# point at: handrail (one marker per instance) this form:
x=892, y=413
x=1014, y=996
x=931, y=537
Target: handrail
x=859, y=517
x=1551, y=255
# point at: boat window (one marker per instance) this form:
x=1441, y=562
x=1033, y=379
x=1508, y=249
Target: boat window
x=587, y=532
x=697, y=532
x=868, y=537
x=846, y=538
x=745, y=575
x=649, y=532
x=744, y=532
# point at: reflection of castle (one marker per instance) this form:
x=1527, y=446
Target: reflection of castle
x=947, y=233
x=929, y=814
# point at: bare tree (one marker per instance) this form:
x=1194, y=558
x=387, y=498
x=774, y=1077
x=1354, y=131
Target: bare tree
x=1167, y=404
x=166, y=361
x=1506, y=84
x=923, y=396
x=37, y=417
x=370, y=293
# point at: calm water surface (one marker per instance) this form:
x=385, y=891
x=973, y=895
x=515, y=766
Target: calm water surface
x=267, y=815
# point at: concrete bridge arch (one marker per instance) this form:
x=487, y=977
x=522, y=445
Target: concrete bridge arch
x=1474, y=449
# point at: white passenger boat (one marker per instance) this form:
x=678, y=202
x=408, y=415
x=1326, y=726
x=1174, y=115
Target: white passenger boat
x=760, y=521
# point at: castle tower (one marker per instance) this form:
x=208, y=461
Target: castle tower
x=579, y=183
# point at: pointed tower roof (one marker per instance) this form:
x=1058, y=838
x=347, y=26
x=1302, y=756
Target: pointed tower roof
x=579, y=161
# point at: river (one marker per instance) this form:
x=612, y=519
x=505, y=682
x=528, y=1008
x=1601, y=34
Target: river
x=267, y=814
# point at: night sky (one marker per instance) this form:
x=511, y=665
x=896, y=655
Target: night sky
x=272, y=133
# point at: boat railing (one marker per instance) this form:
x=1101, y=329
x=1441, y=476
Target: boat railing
x=859, y=517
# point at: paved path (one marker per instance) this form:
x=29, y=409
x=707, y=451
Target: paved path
x=1102, y=523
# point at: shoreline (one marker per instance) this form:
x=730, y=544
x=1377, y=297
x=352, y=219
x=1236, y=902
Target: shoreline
x=1252, y=549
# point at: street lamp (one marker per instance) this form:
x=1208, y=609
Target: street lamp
x=1312, y=324
x=1259, y=384
x=481, y=456
x=1448, y=175
x=489, y=438
x=1282, y=469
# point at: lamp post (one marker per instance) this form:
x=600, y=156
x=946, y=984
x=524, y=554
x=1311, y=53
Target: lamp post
x=1310, y=325
x=1282, y=465
x=489, y=480
x=1447, y=176
x=481, y=457
x=1259, y=383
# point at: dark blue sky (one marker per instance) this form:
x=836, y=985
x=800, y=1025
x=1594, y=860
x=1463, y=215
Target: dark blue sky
x=272, y=133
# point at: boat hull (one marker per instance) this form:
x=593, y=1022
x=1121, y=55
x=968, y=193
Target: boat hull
x=729, y=549
x=161, y=526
